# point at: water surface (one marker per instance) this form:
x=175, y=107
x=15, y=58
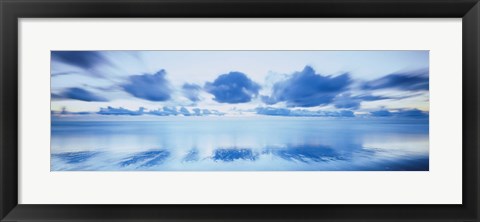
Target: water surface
x=241, y=144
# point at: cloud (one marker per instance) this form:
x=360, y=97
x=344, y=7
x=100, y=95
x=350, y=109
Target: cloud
x=302, y=112
x=308, y=89
x=191, y=91
x=62, y=73
x=414, y=81
x=416, y=113
x=81, y=59
x=64, y=111
x=341, y=113
x=381, y=113
x=375, y=98
x=273, y=111
x=234, y=87
x=346, y=101
x=197, y=112
x=411, y=113
x=54, y=96
x=120, y=111
x=165, y=111
x=153, y=87
x=207, y=112
x=172, y=111
x=184, y=111
x=78, y=94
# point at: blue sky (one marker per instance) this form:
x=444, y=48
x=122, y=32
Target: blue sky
x=231, y=83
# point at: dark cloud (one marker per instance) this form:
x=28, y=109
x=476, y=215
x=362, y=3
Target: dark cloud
x=234, y=87
x=381, y=113
x=82, y=59
x=184, y=111
x=346, y=101
x=120, y=111
x=172, y=111
x=268, y=100
x=153, y=87
x=191, y=91
x=158, y=112
x=302, y=112
x=54, y=96
x=197, y=112
x=273, y=111
x=411, y=113
x=415, y=113
x=341, y=113
x=308, y=89
x=78, y=94
x=165, y=111
x=375, y=98
x=206, y=112
x=61, y=73
x=414, y=81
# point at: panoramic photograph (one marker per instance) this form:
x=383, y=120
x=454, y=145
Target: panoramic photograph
x=124, y=110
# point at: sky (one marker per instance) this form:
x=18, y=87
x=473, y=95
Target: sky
x=240, y=83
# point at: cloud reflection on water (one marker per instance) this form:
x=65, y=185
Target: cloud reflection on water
x=250, y=144
x=305, y=157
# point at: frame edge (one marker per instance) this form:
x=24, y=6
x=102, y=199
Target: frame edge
x=9, y=208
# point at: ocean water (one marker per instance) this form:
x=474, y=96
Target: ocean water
x=242, y=144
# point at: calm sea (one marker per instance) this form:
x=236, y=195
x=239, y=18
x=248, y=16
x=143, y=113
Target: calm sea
x=241, y=144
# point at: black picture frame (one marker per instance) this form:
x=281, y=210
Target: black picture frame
x=12, y=10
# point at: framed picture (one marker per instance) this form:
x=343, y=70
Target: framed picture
x=253, y=110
